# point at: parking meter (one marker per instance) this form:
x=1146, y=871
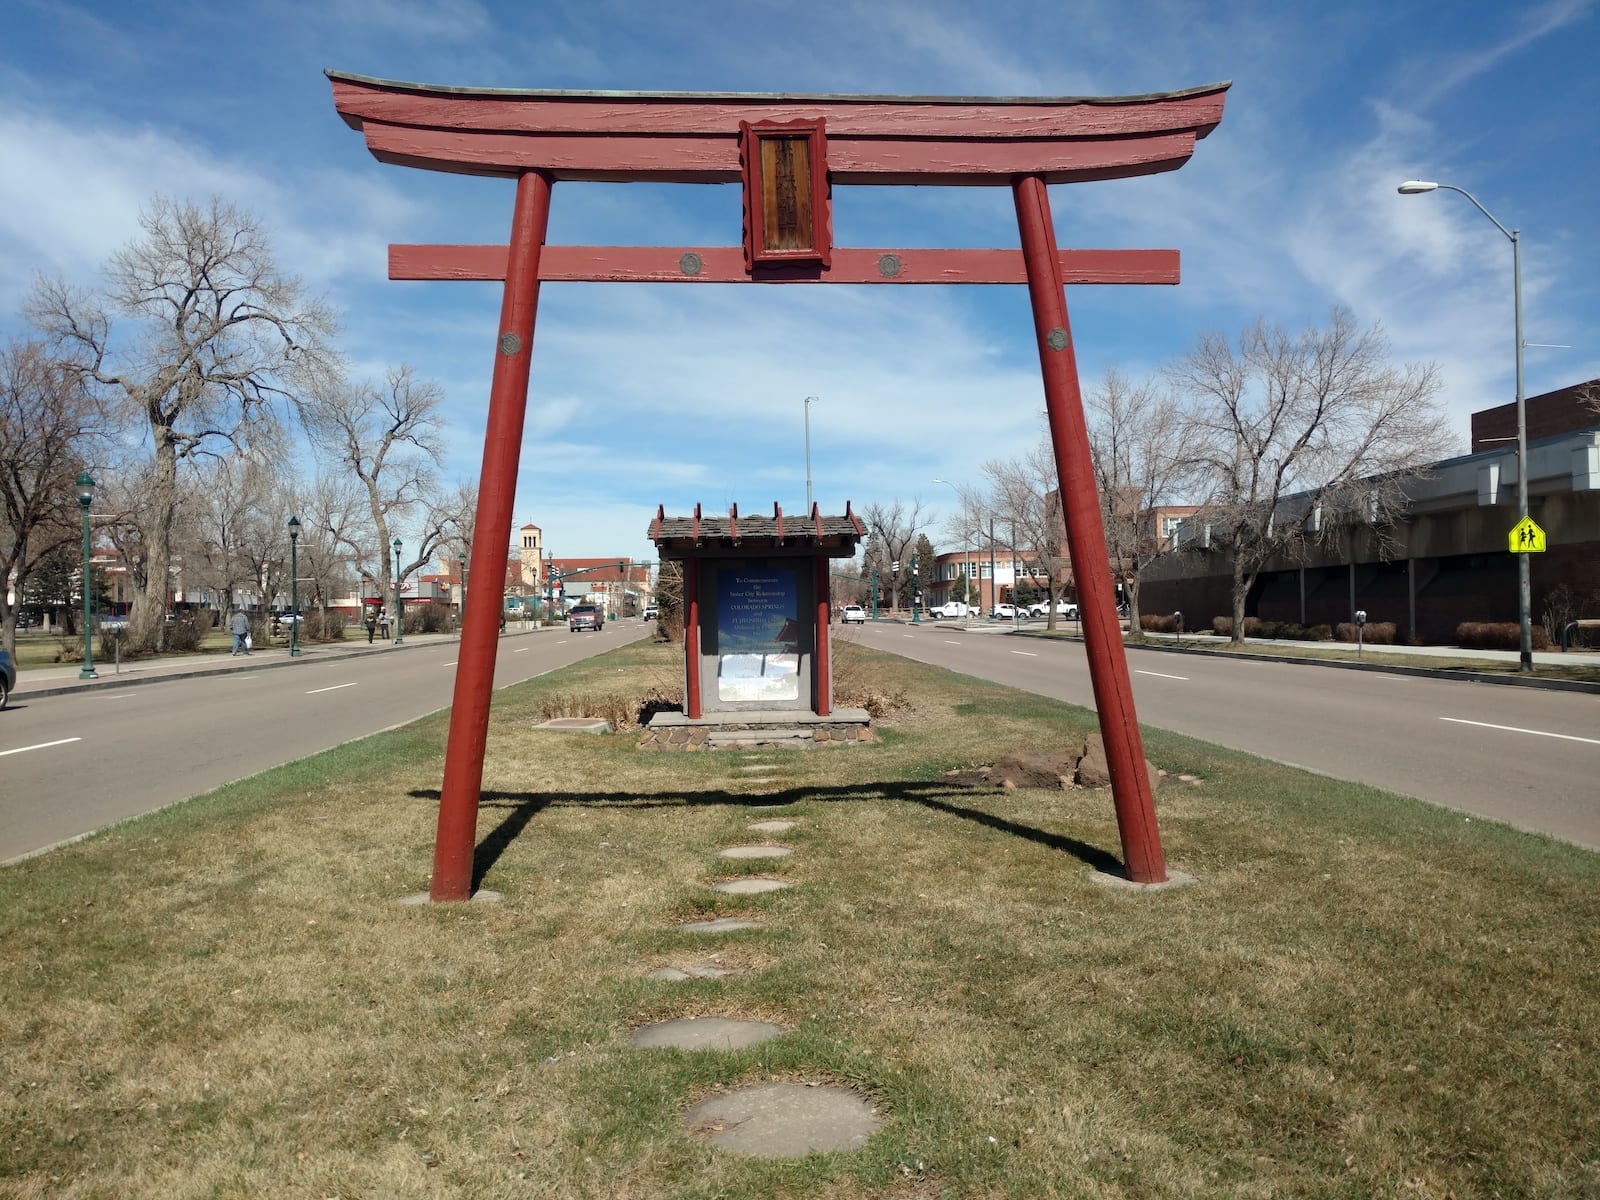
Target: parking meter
x=1361, y=624
x=1177, y=623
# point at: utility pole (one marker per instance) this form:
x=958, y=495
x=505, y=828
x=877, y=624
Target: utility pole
x=810, y=400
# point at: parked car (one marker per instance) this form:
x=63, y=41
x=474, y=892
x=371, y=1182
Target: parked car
x=8, y=677
x=586, y=616
x=853, y=612
x=650, y=613
x=1008, y=611
x=1064, y=608
x=951, y=610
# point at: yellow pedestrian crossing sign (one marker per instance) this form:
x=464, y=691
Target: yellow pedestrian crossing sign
x=1526, y=537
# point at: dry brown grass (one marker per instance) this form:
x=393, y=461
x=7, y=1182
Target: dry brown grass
x=1362, y=997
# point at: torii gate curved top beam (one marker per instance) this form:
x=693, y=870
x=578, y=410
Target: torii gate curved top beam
x=693, y=137
x=788, y=151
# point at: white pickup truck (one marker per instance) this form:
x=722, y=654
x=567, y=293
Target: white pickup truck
x=953, y=610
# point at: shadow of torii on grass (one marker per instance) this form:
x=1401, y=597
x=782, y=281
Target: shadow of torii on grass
x=522, y=807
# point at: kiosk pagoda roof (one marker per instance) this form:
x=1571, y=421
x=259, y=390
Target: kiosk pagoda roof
x=697, y=535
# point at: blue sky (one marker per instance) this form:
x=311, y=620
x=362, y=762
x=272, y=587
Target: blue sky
x=643, y=395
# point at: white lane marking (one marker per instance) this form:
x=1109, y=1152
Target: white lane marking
x=334, y=688
x=948, y=642
x=451, y=664
x=1565, y=737
x=1159, y=675
x=40, y=746
x=522, y=649
x=116, y=696
x=562, y=642
x=908, y=635
x=1028, y=653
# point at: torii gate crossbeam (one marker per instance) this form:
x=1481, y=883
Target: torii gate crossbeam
x=788, y=152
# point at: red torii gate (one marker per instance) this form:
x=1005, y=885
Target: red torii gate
x=788, y=151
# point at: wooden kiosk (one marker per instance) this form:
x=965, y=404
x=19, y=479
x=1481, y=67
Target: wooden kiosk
x=757, y=665
x=790, y=154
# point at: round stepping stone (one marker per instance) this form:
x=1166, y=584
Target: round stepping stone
x=784, y=1120
x=719, y=925
x=694, y=971
x=755, y=852
x=751, y=885
x=772, y=826
x=704, y=1033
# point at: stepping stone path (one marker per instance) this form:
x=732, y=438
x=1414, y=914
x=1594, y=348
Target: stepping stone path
x=694, y=971
x=720, y=925
x=784, y=1120
x=751, y=885
x=704, y=1033
x=770, y=1120
x=755, y=852
x=773, y=826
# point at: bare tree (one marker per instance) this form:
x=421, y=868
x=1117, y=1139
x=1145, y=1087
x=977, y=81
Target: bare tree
x=1136, y=435
x=1321, y=419
x=894, y=527
x=233, y=494
x=387, y=437
x=219, y=337
x=51, y=426
x=1024, y=496
x=1589, y=396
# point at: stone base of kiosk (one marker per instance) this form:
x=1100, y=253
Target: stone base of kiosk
x=754, y=730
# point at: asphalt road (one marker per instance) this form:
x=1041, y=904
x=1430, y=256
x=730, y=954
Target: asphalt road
x=73, y=763
x=1526, y=756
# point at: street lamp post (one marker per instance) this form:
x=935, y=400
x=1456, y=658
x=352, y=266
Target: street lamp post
x=399, y=602
x=1414, y=187
x=810, y=400
x=294, y=587
x=966, y=544
x=85, y=498
x=462, y=559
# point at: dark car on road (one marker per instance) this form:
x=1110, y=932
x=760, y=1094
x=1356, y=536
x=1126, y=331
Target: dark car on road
x=586, y=616
x=8, y=677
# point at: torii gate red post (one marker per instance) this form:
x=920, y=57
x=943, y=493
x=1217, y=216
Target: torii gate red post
x=789, y=152
x=1086, y=540
x=457, y=834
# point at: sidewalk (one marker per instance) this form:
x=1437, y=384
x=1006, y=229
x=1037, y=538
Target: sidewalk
x=56, y=681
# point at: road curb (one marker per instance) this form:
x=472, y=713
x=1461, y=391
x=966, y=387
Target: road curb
x=69, y=686
x=1465, y=676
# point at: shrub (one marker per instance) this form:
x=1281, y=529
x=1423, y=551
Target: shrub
x=1154, y=623
x=427, y=618
x=184, y=635
x=1319, y=633
x=318, y=626
x=1498, y=635
x=1223, y=627
x=1376, y=633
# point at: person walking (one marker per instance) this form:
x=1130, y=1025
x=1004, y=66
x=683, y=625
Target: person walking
x=239, y=626
x=372, y=622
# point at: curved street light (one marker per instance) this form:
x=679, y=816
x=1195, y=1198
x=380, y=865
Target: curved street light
x=399, y=601
x=85, y=498
x=294, y=587
x=1414, y=187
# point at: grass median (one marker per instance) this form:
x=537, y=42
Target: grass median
x=1362, y=996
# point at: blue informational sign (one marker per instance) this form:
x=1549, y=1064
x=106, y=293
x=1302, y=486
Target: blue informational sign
x=758, y=634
